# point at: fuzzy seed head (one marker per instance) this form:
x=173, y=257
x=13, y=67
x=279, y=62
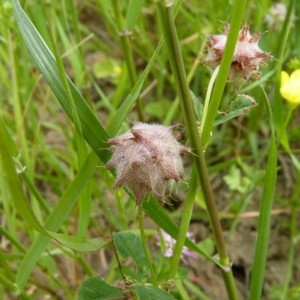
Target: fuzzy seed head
x=147, y=158
x=247, y=58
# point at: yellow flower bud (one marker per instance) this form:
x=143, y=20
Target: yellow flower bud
x=290, y=87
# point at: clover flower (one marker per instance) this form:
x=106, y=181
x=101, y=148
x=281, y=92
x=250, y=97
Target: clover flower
x=247, y=58
x=290, y=87
x=147, y=159
x=276, y=15
x=169, y=243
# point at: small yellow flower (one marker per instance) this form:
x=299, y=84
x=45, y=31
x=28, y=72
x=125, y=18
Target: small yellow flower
x=290, y=87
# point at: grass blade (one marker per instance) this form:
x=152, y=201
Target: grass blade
x=56, y=218
x=264, y=220
x=126, y=106
x=92, y=129
x=261, y=248
x=9, y=168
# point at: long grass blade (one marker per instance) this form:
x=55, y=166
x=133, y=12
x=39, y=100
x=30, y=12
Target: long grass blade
x=92, y=129
x=264, y=221
x=56, y=218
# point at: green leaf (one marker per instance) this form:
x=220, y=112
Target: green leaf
x=208, y=245
x=134, y=11
x=241, y=105
x=150, y=292
x=235, y=180
x=96, y=288
x=158, y=109
x=107, y=68
x=79, y=243
x=198, y=106
x=129, y=244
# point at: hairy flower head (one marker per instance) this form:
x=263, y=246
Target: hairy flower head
x=147, y=158
x=276, y=15
x=290, y=87
x=247, y=55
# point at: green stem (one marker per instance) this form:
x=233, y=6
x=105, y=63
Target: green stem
x=144, y=243
x=178, y=283
x=13, y=288
x=293, y=223
x=184, y=225
x=288, y=117
x=124, y=36
x=17, y=105
x=175, y=105
x=264, y=221
x=35, y=192
x=13, y=241
x=235, y=25
x=291, y=255
x=283, y=138
x=176, y=61
x=208, y=96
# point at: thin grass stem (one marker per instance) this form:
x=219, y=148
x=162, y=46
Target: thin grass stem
x=176, y=61
x=291, y=254
x=124, y=36
x=13, y=288
x=264, y=220
x=183, y=293
x=144, y=243
x=207, y=96
x=184, y=224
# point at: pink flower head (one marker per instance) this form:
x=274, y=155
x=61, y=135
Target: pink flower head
x=147, y=158
x=170, y=244
x=276, y=15
x=247, y=55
